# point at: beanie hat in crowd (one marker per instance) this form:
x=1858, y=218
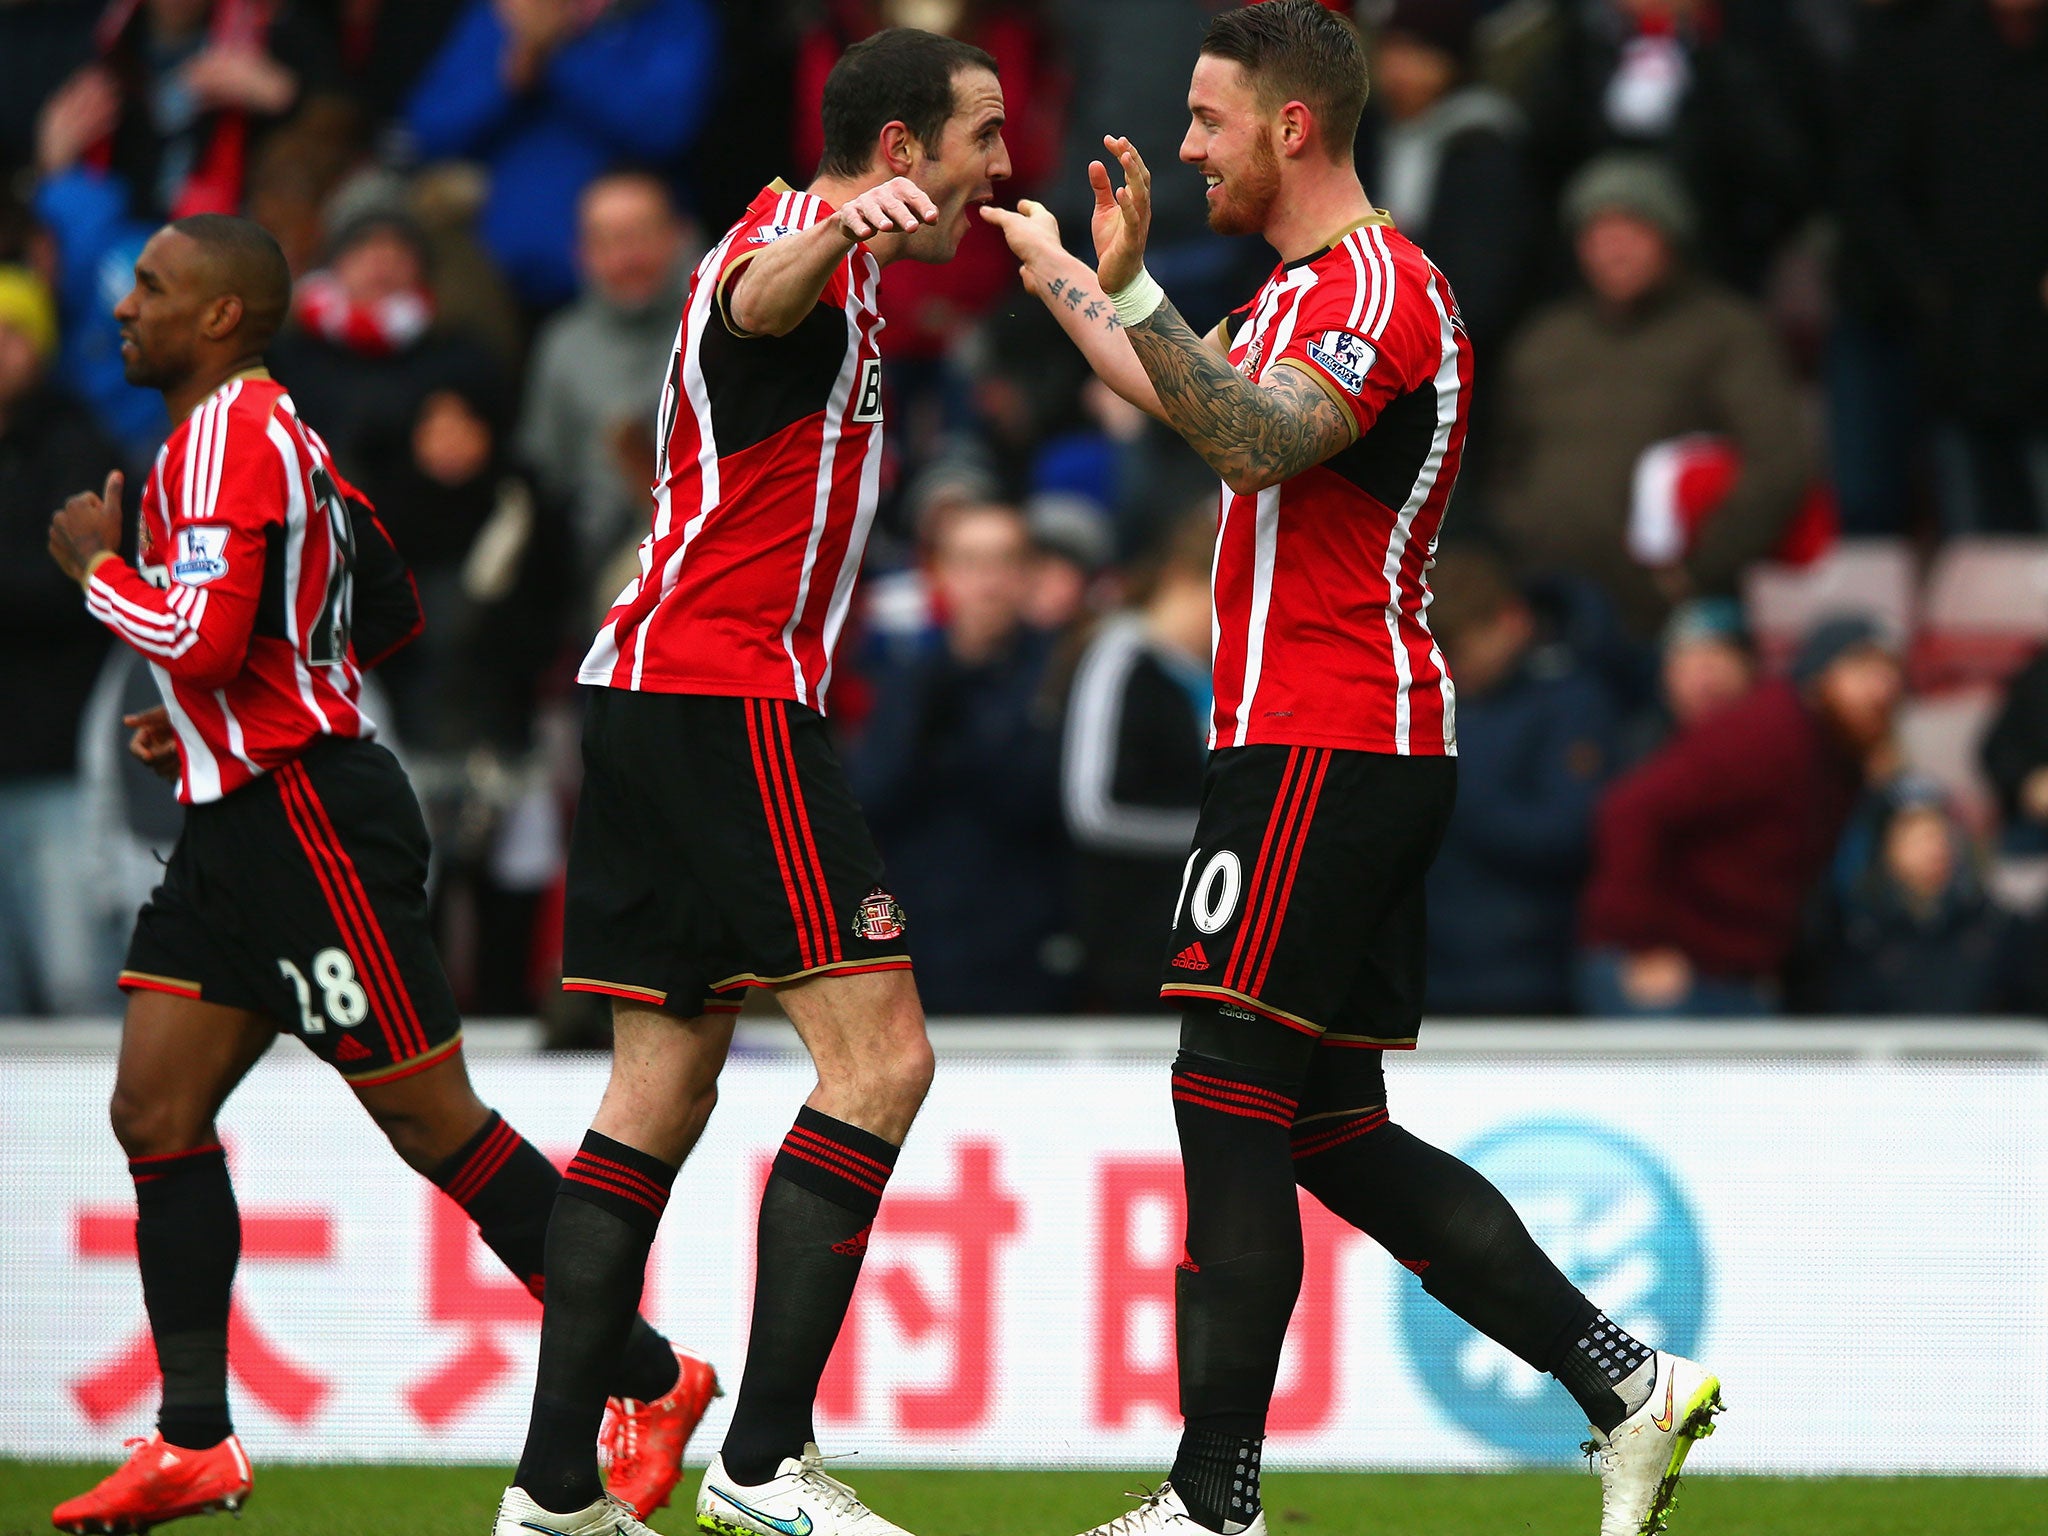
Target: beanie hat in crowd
x=1628, y=181
x=26, y=305
x=1832, y=639
x=1445, y=25
x=1707, y=619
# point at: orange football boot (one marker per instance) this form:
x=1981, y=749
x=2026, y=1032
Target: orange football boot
x=644, y=1442
x=159, y=1482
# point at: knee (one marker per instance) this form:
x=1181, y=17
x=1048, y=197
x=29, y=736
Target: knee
x=419, y=1142
x=151, y=1125
x=890, y=1075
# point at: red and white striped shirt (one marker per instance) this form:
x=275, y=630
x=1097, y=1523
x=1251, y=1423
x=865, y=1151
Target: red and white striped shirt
x=1322, y=582
x=251, y=670
x=770, y=469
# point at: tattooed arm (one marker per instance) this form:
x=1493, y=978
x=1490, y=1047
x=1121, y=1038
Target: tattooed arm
x=1068, y=288
x=1253, y=435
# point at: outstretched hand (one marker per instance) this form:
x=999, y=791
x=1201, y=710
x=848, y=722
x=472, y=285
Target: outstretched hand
x=897, y=205
x=1033, y=236
x=87, y=526
x=1123, y=216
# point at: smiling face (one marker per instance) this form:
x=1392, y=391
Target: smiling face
x=959, y=173
x=1230, y=140
x=163, y=315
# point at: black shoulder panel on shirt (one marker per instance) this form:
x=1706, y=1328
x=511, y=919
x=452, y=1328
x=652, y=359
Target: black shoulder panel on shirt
x=1385, y=462
x=760, y=384
x=270, y=603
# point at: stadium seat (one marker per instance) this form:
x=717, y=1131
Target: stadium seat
x=1872, y=576
x=1939, y=738
x=1984, y=611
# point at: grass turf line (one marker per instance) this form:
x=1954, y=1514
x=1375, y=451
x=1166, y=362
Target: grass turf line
x=459, y=1501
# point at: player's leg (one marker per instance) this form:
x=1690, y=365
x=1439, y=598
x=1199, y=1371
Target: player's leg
x=180, y=1058
x=1449, y=1224
x=444, y=1132
x=664, y=1084
x=866, y=1037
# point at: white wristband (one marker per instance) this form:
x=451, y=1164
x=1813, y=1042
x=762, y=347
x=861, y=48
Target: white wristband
x=1135, y=301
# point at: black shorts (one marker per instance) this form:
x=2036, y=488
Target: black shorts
x=303, y=897
x=1302, y=901
x=717, y=847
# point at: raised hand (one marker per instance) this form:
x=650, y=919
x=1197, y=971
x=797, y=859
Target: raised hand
x=896, y=205
x=1033, y=236
x=86, y=526
x=1123, y=216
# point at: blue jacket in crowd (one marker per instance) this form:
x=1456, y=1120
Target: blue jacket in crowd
x=957, y=768
x=1533, y=755
x=634, y=88
x=97, y=243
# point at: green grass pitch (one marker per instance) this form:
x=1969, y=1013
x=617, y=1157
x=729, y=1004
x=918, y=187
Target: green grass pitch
x=459, y=1501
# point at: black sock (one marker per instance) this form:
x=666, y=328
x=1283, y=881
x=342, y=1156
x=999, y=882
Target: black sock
x=1444, y=1220
x=1599, y=1366
x=188, y=1239
x=822, y=1196
x=1237, y=1285
x=605, y=1216
x=508, y=1188
x=1218, y=1471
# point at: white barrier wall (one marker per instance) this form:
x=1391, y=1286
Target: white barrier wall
x=1860, y=1249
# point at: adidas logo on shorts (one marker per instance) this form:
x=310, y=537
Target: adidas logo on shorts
x=1193, y=958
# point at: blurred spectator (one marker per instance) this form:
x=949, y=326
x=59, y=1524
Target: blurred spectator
x=598, y=366
x=491, y=557
x=49, y=652
x=1136, y=742
x=86, y=212
x=363, y=347
x=183, y=90
x=1705, y=856
x=2016, y=759
x=957, y=768
x=1706, y=660
x=1447, y=157
x=1536, y=740
x=1070, y=548
x=1669, y=76
x=552, y=93
x=1914, y=931
x=1650, y=352
x=1950, y=141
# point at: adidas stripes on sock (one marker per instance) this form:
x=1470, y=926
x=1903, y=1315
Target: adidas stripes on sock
x=606, y=1212
x=822, y=1196
x=508, y=1188
x=188, y=1239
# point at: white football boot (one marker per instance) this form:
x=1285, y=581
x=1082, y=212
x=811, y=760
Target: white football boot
x=1161, y=1513
x=800, y=1499
x=518, y=1515
x=1639, y=1463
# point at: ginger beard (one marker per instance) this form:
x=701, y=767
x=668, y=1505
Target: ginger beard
x=1240, y=203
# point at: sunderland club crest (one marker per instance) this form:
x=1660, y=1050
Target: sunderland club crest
x=879, y=917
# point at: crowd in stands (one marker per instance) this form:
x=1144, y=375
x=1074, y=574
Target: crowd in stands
x=1744, y=587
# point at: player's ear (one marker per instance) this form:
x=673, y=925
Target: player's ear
x=222, y=315
x=898, y=148
x=1296, y=121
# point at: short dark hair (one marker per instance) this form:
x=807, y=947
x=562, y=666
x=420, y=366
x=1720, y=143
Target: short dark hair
x=1296, y=50
x=249, y=263
x=898, y=75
